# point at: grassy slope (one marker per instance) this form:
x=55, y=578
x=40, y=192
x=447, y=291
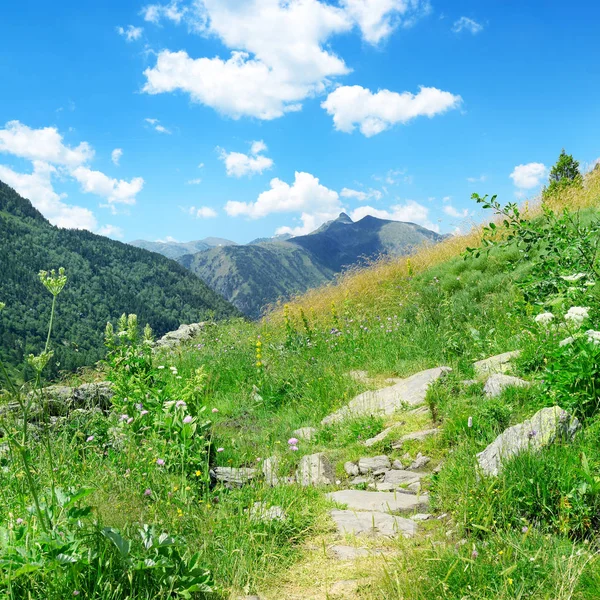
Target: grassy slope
x=396, y=319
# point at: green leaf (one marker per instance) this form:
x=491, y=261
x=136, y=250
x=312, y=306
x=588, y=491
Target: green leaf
x=114, y=536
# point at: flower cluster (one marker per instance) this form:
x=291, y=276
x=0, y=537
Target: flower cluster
x=293, y=444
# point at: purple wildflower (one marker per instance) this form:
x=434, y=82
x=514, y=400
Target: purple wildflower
x=20, y=521
x=180, y=404
x=474, y=554
x=524, y=529
x=144, y=412
x=160, y=462
x=294, y=448
x=220, y=449
x=532, y=434
x=188, y=419
x=148, y=492
x=215, y=410
x=293, y=442
x=90, y=438
x=123, y=417
x=130, y=421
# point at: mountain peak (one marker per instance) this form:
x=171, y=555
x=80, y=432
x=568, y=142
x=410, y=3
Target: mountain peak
x=344, y=218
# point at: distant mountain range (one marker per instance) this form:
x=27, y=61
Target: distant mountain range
x=105, y=279
x=176, y=249
x=254, y=275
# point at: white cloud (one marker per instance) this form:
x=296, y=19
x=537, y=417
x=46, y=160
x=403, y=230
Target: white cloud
x=116, y=155
x=479, y=179
x=378, y=19
x=155, y=123
x=45, y=144
x=455, y=213
x=111, y=231
x=130, y=33
x=310, y=222
x=202, y=212
x=410, y=211
x=238, y=164
x=352, y=106
x=168, y=240
x=306, y=194
x=360, y=195
x=446, y=198
x=466, y=24
x=37, y=187
x=196, y=181
x=529, y=176
x=116, y=191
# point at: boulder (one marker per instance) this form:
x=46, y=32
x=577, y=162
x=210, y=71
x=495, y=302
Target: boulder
x=234, y=477
x=496, y=384
x=374, y=463
x=422, y=517
x=362, y=500
x=315, y=469
x=260, y=511
x=351, y=469
x=398, y=477
x=418, y=436
x=270, y=469
x=397, y=465
x=408, y=392
x=495, y=364
x=305, y=433
x=372, y=523
x=546, y=426
x=419, y=462
x=185, y=333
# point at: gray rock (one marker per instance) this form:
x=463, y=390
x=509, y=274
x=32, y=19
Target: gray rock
x=351, y=469
x=422, y=517
x=260, y=511
x=410, y=391
x=541, y=430
x=305, y=433
x=419, y=462
x=360, y=480
x=418, y=436
x=373, y=523
x=359, y=375
x=348, y=552
x=398, y=477
x=379, y=501
x=380, y=472
x=315, y=469
x=270, y=469
x=234, y=477
x=415, y=487
x=380, y=436
x=496, y=384
x=185, y=333
x=495, y=364
x=374, y=463
x=469, y=382
x=397, y=465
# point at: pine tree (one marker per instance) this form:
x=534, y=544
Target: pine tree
x=563, y=174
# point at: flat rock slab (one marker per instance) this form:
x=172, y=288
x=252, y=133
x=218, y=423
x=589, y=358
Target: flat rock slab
x=410, y=391
x=374, y=463
x=496, y=384
x=315, y=469
x=495, y=364
x=234, y=477
x=372, y=523
x=387, y=502
x=401, y=477
x=380, y=436
x=541, y=430
x=418, y=436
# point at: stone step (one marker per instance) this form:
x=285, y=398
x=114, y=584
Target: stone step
x=495, y=364
x=372, y=523
x=386, y=502
x=410, y=391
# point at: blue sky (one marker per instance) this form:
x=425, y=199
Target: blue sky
x=240, y=118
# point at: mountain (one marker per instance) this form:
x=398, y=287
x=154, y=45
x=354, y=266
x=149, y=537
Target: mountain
x=105, y=279
x=176, y=249
x=254, y=275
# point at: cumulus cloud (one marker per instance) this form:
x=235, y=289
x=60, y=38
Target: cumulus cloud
x=360, y=195
x=111, y=231
x=451, y=211
x=466, y=24
x=51, y=157
x=479, y=179
x=529, y=176
x=116, y=155
x=377, y=19
x=411, y=212
x=238, y=164
x=352, y=106
x=45, y=144
x=130, y=33
x=37, y=187
x=155, y=124
x=202, y=212
x=304, y=195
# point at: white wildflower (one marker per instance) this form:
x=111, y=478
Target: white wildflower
x=573, y=278
x=544, y=318
x=593, y=336
x=566, y=341
x=577, y=314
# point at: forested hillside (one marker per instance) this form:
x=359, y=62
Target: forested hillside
x=106, y=279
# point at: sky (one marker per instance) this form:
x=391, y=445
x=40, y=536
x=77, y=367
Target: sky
x=248, y=118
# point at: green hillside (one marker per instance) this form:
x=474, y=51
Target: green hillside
x=258, y=274
x=106, y=279
x=175, y=250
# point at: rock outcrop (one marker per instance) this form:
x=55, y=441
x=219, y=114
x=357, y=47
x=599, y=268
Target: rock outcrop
x=185, y=333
